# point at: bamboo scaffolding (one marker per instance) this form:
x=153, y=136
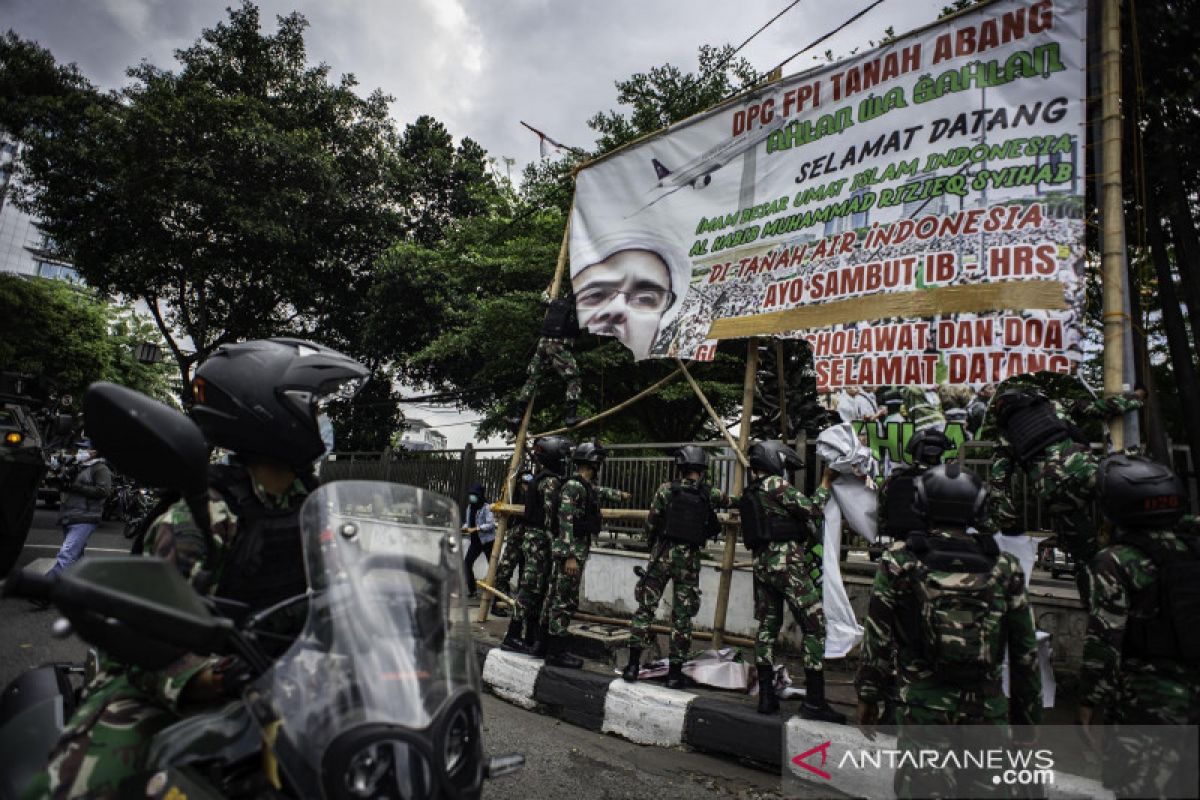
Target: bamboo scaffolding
x=485, y=604
x=1112, y=257
x=609, y=412
x=739, y=481
x=737, y=449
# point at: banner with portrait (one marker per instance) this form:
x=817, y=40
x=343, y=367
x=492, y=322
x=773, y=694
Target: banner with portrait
x=915, y=213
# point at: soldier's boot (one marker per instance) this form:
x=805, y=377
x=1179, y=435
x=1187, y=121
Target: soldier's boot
x=815, y=705
x=513, y=642
x=531, y=633
x=572, y=418
x=541, y=641
x=768, y=703
x=675, y=677
x=557, y=655
x=634, y=667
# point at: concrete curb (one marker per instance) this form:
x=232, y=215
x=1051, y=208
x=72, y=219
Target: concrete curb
x=644, y=712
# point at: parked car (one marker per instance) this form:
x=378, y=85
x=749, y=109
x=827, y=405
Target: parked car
x=1053, y=559
x=22, y=465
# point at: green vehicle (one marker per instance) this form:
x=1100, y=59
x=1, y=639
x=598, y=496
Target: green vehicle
x=22, y=466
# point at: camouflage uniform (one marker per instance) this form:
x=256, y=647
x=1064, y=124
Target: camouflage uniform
x=923, y=412
x=535, y=547
x=514, y=544
x=554, y=354
x=1132, y=690
x=893, y=668
x=783, y=573
x=1064, y=478
x=108, y=738
x=670, y=561
x=562, y=599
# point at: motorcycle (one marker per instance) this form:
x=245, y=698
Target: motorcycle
x=376, y=694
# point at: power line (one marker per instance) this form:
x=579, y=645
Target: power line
x=833, y=32
x=715, y=70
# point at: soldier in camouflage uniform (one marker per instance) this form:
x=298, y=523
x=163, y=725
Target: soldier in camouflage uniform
x=1038, y=436
x=107, y=739
x=682, y=518
x=922, y=410
x=550, y=454
x=578, y=521
x=945, y=607
x=1141, y=652
x=560, y=329
x=514, y=541
x=778, y=523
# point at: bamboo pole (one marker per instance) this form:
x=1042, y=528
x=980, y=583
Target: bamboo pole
x=510, y=479
x=487, y=587
x=781, y=385
x=609, y=412
x=712, y=412
x=1112, y=258
x=739, y=481
x=741, y=641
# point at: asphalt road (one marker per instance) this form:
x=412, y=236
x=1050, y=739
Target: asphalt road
x=562, y=761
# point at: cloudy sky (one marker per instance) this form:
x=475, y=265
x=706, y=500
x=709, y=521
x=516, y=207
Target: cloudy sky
x=479, y=66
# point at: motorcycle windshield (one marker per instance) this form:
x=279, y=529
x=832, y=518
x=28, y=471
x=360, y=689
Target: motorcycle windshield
x=387, y=642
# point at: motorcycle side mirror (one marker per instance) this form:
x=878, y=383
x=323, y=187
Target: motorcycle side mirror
x=139, y=610
x=149, y=441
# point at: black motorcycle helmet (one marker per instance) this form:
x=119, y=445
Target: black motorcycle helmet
x=1136, y=492
x=592, y=453
x=773, y=457
x=260, y=398
x=927, y=446
x=950, y=495
x=691, y=458
x=552, y=452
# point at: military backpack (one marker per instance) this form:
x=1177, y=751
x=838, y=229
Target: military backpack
x=954, y=595
x=1167, y=634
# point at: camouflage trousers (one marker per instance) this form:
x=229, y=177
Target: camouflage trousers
x=535, y=575
x=782, y=576
x=512, y=557
x=1065, y=481
x=922, y=730
x=562, y=596
x=556, y=355
x=680, y=564
x=106, y=741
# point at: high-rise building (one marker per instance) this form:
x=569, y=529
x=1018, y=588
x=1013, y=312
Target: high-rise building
x=24, y=247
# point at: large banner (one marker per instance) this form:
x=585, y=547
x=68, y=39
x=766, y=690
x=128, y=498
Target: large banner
x=915, y=213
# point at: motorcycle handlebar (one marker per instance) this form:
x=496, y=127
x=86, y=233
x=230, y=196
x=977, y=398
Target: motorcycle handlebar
x=29, y=585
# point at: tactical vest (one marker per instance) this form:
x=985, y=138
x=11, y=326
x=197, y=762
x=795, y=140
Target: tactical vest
x=690, y=515
x=946, y=626
x=589, y=522
x=760, y=526
x=265, y=564
x=560, y=321
x=901, y=518
x=1162, y=625
x=1031, y=426
x=535, y=504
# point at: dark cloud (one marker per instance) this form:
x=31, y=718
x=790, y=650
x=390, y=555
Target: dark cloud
x=480, y=66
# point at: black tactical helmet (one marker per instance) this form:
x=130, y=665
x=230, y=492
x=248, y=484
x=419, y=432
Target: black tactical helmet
x=927, y=446
x=552, y=452
x=590, y=453
x=949, y=494
x=1136, y=492
x=1012, y=400
x=691, y=458
x=773, y=457
x=260, y=398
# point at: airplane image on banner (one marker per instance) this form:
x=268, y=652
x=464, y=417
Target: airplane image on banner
x=698, y=172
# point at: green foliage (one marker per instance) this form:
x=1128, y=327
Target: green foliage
x=66, y=337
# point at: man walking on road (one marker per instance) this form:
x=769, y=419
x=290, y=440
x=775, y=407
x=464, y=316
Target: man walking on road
x=82, y=505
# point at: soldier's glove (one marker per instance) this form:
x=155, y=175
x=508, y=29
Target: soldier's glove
x=230, y=676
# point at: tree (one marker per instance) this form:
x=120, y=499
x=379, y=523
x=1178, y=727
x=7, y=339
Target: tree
x=67, y=337
x=234, y=196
